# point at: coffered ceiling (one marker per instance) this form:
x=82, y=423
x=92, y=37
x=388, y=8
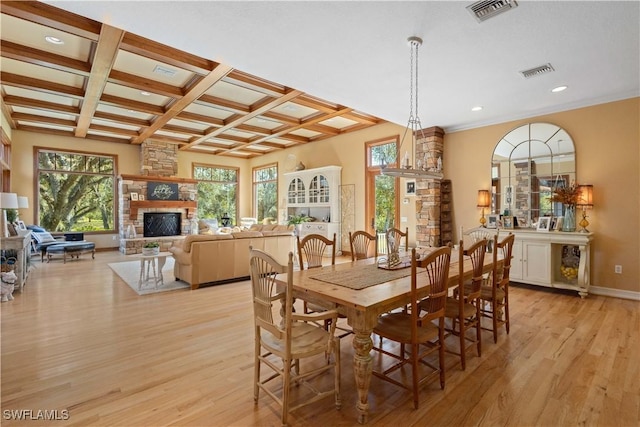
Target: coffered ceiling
x=97, y=81
x=245, y=78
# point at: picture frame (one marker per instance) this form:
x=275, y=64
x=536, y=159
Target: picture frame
x=410, y=188
x=141, y=197
x=507, y=222
x=493, y=220
x=162, y=191
x=20, y=225
x=134, y=196
x=544, y=223
x=554, y=224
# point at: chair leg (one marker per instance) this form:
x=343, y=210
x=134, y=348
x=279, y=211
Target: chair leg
x=336, y=342
x=256, y=369
x=463, y=352
x=506, y=307
x=478, y=329
x=286, y=386
x=494, y=318
x=414, y=373
x=441, y=351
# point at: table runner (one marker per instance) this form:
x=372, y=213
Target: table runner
x=360, y=276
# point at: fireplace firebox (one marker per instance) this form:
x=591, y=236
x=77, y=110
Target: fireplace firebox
x=158, y=224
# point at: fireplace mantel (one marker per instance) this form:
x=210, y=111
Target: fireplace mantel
x=178, y=204
x=152, y=178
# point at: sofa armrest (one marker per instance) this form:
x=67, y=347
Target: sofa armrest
x=180, y=255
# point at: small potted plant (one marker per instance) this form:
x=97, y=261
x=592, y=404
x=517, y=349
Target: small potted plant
x=296, y=220
x=151, y=248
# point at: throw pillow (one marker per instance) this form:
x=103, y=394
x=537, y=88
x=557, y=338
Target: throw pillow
x=43, y=237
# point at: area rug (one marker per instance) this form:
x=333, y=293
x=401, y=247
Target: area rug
x=129, y=272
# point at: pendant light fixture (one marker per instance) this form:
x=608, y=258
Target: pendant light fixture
x=411, y=133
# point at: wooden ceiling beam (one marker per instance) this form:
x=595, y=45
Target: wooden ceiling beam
x=42, y=58
x=199, y=118
x=52, y=17
x=121, y=119
x=35, y=118
x=194, y=93
x=128, y=104
x=181, y=129
x=214, y=101
x=19, y=101
x=364, y=119
x=162, y=53
x=310, y=121
x=24, y=82
x=288, y=120
x=254, y=83
x=103, y=60
x=140, y=83
x=262, y=108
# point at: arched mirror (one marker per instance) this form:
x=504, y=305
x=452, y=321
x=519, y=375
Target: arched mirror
x=528, y=163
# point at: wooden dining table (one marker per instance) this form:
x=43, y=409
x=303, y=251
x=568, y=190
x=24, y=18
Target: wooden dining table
x=363, y=306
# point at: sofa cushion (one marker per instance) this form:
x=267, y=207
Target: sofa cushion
x=193, y=238
x=246, y=234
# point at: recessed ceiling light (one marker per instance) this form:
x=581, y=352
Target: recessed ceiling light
x=144, y=93
x=477, y=108
x=54, y=40
x=558, y=89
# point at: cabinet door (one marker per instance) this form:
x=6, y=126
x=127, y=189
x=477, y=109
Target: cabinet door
x=296, y=192
x=536, y=266
x=515, y=273
x=319, y=191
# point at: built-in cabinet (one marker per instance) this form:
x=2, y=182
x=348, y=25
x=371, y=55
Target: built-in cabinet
x=316, y=193
x=553, y=259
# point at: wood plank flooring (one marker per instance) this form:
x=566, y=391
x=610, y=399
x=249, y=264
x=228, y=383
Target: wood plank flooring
x=79, y=341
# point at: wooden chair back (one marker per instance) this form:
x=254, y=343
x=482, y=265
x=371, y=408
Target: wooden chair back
x=475, y=253
x=397, y=236
x=312, y=249
x=360, y=242
x=436, y=265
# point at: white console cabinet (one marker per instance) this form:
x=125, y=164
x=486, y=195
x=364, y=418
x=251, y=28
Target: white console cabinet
x=553, y=259
x=316, y=193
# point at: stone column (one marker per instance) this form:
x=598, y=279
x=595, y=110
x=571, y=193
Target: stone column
x=429, y=148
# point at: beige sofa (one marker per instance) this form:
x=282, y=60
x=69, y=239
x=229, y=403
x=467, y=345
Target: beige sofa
x=218, y=258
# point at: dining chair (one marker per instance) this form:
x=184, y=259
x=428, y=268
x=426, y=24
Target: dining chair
x=397, y=236
x=360, y=242
x=421, y=327
x=312, y=251
x=463, y=308
x=281, y=341
x=495, y=296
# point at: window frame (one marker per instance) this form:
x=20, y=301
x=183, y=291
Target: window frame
x=114, y=174
x=194, y=165
x=254, y=183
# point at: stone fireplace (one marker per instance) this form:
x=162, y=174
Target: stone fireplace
x=136, y=197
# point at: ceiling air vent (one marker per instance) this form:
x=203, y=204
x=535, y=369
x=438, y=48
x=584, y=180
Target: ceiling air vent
x=167, y=72
x=533, y=72
x=485, y=9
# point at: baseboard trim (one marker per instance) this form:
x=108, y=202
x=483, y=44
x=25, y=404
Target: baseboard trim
x=616, y=293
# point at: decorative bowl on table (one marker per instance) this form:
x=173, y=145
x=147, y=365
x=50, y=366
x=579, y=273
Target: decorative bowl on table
x=152, y=248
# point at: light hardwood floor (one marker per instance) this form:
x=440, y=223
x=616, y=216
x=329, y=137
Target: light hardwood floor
x=79, y=339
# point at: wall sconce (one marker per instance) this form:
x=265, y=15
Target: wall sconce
x=585, y=201
x=483, y=202
x=7, y=201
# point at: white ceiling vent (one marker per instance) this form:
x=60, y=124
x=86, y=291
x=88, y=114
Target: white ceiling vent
x=533, y=72
x=485, y=9
x=167, y=72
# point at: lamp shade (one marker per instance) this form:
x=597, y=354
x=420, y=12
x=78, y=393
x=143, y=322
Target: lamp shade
x=483, y=198
x=23, y=202
x=585, y=199
x=8, y=201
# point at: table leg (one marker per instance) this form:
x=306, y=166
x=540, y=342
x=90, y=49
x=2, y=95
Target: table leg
x=141, y=273
x=362, y=367
x=161, y=261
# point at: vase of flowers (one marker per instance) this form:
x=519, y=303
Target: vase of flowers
x=568, y=196
x=151, y=248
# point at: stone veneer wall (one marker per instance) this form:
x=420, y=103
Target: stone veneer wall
x=159, y=159
x=428, y=190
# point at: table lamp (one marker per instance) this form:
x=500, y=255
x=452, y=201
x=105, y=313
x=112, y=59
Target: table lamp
x=585, y=201
x=7, y=201
x=483, y=202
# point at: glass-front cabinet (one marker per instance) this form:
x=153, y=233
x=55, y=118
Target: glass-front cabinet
x=315, y=193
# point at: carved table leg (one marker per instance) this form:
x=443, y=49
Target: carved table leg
x=362, y=366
